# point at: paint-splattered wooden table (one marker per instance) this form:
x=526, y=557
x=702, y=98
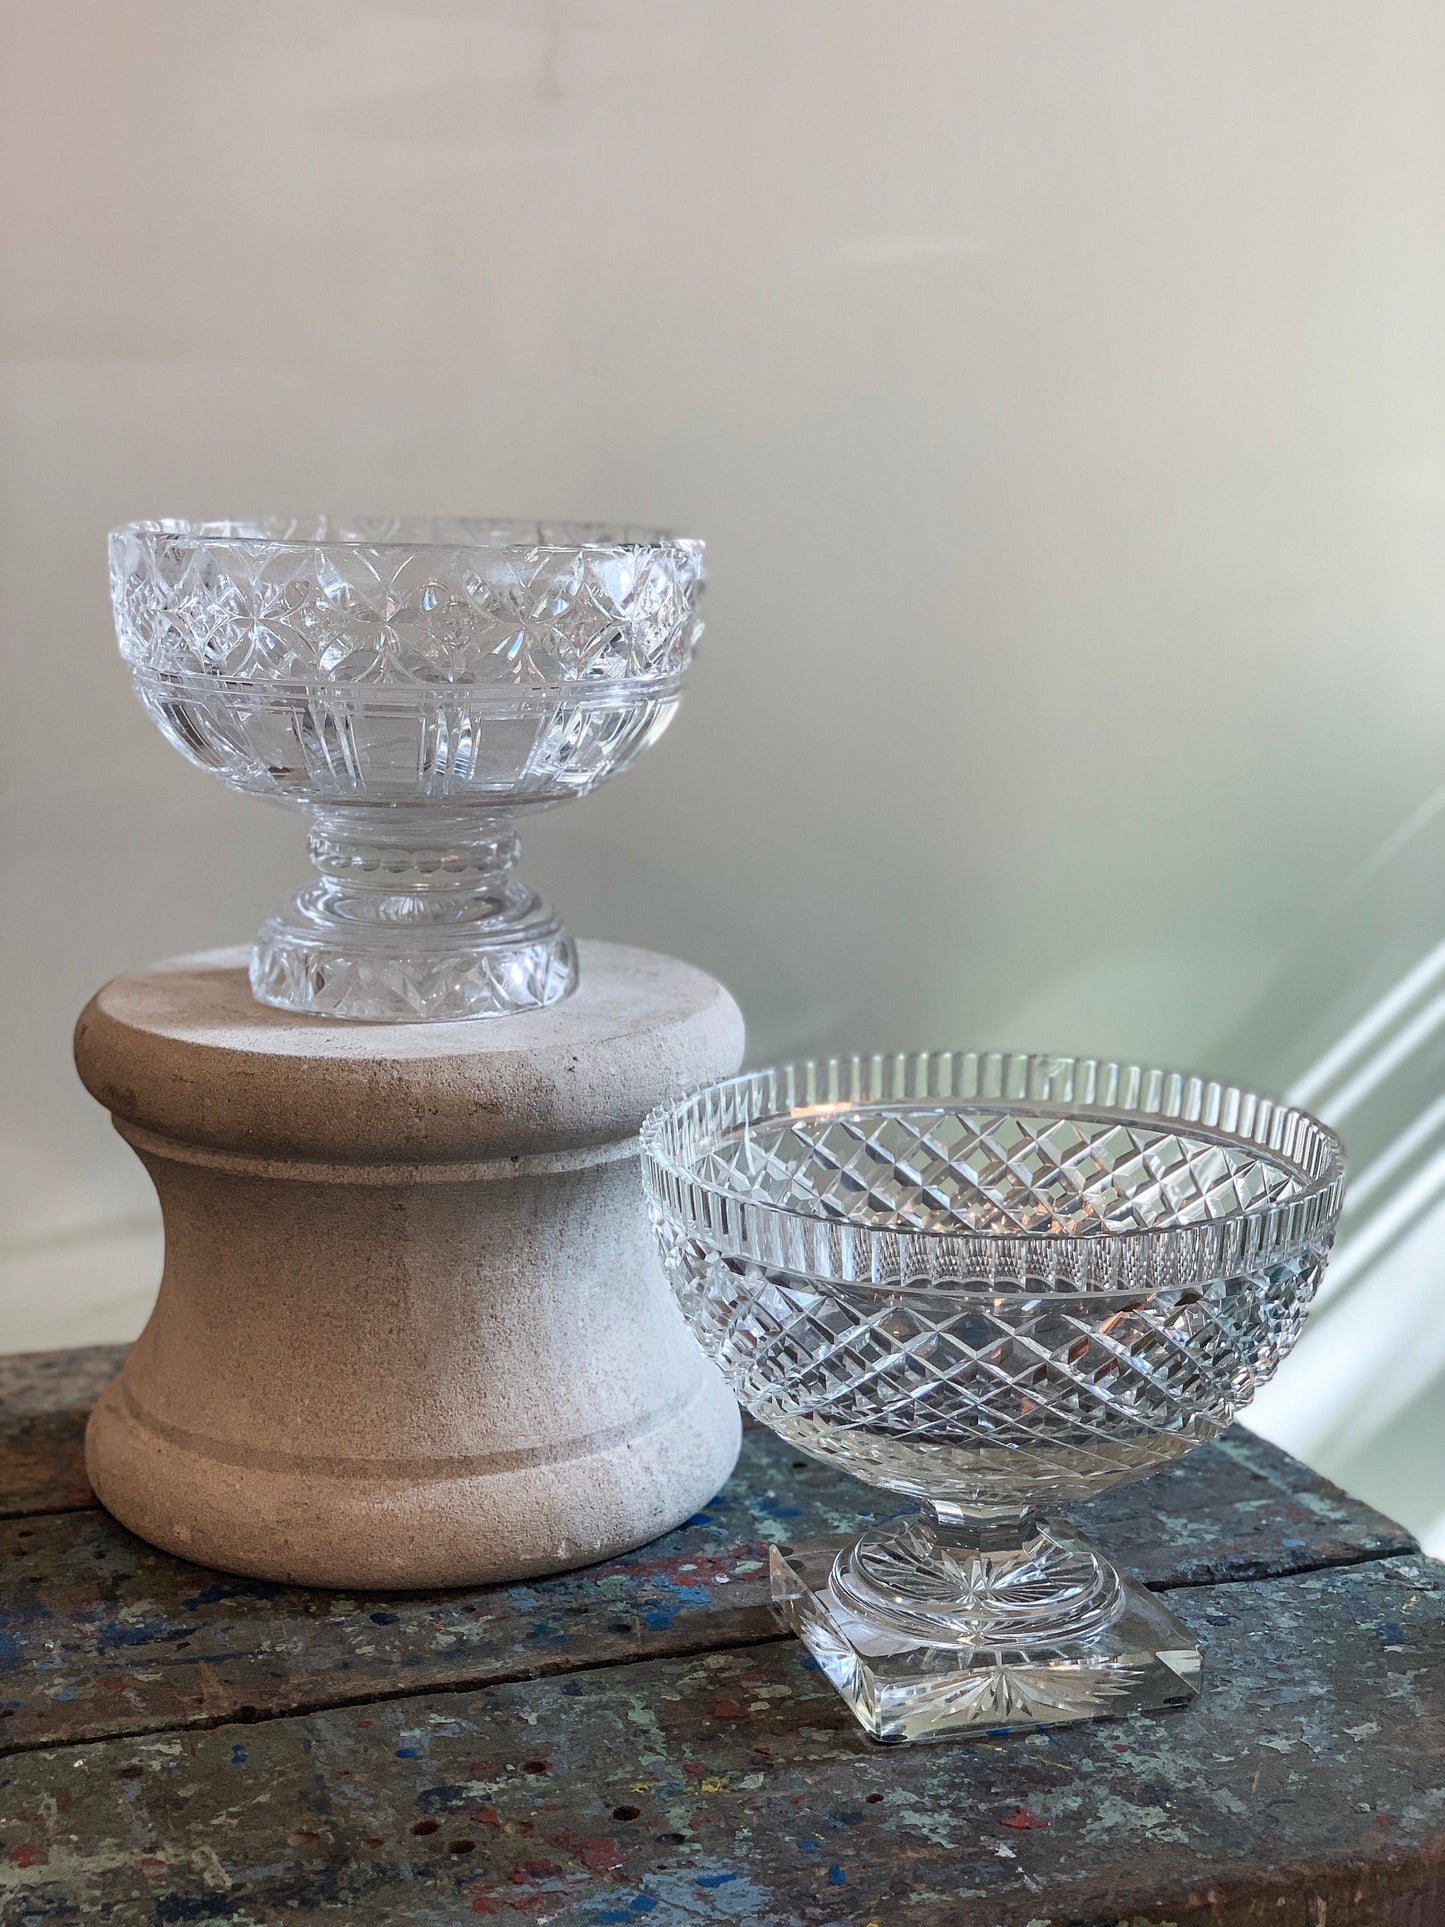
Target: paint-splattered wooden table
x=637, y=1741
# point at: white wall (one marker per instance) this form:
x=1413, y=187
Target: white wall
x=1060, y=389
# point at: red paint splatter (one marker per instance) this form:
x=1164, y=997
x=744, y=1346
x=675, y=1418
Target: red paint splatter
x=481, y=1905
x=487, y=1817
x=532, y=1903
x=481, y=1766
x=1022, y=1821
x=24, y=1856
x=1120, y=1749
x=690, y=1568
x=151, y=1866
x=600, y=1856
x=727, y=1709
x=695, y=1768
x=535, y=1870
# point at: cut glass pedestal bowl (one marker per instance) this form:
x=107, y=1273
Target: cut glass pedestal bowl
x=415, y=685
x=992, y=1284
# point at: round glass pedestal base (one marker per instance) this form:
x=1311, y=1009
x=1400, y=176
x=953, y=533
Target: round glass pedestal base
x=404, y=976
x=417, y=917
x=1020, y=1586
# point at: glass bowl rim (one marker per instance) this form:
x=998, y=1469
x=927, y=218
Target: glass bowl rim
x=773, y=1231
x=250, y=532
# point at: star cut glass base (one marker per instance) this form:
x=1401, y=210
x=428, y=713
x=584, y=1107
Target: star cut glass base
x=904, y=1687
x=305, y=960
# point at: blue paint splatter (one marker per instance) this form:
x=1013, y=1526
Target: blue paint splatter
x=700, y=1519
x=660, y=1619
x=689, y=1595
x=239, y=1756
x=384, y=1619
x=643, y=1904
x=12, y=1650
x=837, y=1877
x=150, y=1632
x=715, y=1879
x=232, y=1589
x=408, y=1752
x=772, y=1508
x=549, y=1631
x=809, y=1664
x=807, y=1846
x=611, y=1917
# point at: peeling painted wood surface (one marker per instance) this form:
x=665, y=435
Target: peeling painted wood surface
x=101, y=1635
x=189, y=1746
x=1308, y=1785
x=45, y=1399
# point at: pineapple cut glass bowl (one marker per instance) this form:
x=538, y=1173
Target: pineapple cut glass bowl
x=990, y=1284
x=415, y=685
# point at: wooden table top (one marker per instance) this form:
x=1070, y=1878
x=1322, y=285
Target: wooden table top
x=638, y=1740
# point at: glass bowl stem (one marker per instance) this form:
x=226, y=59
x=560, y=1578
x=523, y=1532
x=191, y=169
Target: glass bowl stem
x=416, y=915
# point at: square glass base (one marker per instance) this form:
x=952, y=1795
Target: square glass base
x=903, y=1689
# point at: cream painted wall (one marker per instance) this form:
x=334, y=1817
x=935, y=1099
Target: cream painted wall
x=1060, y=388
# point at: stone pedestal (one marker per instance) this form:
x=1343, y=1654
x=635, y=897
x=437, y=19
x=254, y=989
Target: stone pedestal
x=412, y=1330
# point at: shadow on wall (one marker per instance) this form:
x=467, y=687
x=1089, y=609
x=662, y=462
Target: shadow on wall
x=1362, y=1008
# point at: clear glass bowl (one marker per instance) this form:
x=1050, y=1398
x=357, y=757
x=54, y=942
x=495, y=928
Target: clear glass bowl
x=992, y=1283
x=414, y=684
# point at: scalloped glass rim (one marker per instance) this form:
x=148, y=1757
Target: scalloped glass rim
x=283, y=605
x=1123, y=1262
x=412, y=532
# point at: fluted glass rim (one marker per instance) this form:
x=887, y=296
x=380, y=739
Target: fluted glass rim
x=1123, y=1260
x=266, y=532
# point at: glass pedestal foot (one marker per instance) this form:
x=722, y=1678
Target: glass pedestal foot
x=408, y=976
x=417, y=917
x=909, y=1681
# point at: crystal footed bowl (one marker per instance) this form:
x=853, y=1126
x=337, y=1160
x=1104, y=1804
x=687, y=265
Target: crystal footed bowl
x=991, y=1283
x=414, y=685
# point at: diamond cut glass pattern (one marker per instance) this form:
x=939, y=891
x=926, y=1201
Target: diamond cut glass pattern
x=417, y=683
x=991, y=1283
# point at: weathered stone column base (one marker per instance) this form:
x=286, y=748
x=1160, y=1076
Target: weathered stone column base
x=412, y=1330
